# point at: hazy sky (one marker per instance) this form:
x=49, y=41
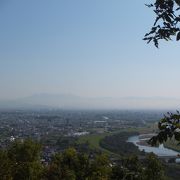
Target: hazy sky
x=84, y=47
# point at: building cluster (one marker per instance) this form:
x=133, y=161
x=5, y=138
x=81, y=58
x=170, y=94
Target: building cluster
x=47, y=127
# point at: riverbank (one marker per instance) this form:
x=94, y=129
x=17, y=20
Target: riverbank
x=172, y=144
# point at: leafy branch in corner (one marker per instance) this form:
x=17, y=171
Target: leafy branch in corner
x=167, y=21
x=169, y=127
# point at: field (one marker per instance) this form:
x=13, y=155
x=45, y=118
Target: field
x=93, y=140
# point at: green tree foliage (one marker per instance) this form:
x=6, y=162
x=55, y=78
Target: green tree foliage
x=24, y=159
x=166, y=23
x=68, y=165
x=66, y=142
x=118, y=144
x=130, y=169
x=21, y=162
x=154, y=169
x=133, y=169
x=71, y=165
x=5, y=166
x=169, y=127
x=24, y=151
x=100, y=168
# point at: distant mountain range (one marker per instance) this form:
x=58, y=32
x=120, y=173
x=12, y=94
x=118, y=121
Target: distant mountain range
x=68, y=101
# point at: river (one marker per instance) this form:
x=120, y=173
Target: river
x=159, y=151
